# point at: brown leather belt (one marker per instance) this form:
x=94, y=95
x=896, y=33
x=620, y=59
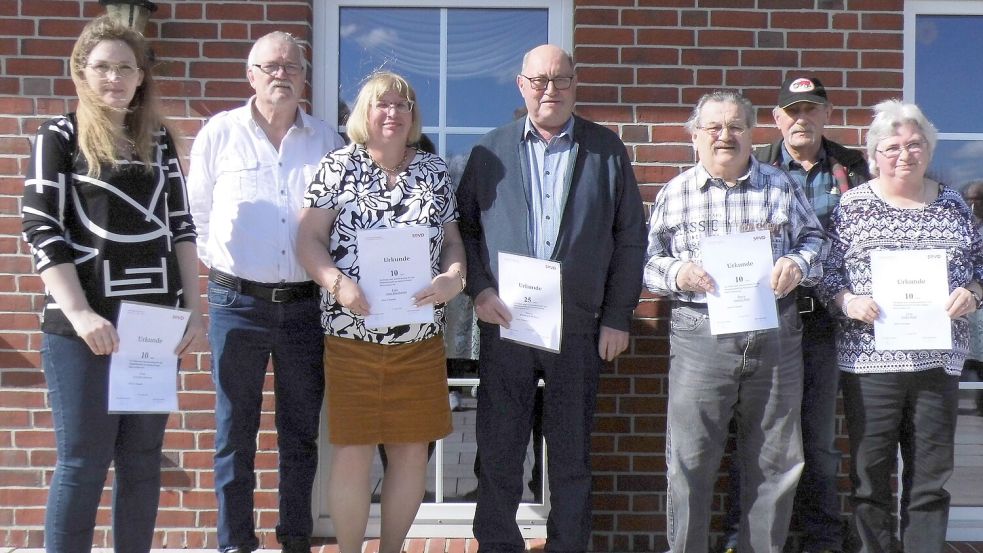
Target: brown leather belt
x=276, y=293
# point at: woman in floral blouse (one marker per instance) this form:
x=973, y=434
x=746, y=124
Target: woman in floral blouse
x=903, y=397
x=385, y=384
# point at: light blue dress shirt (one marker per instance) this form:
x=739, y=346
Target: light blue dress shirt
x=549, y=163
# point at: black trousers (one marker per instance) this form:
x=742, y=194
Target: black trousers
x=506, y=401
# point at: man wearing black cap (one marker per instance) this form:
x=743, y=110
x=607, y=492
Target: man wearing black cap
x=824, y=170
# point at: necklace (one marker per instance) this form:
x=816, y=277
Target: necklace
x=394, y=170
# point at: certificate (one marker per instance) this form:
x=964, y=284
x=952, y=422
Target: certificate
x=530, y=288
x=394, y=264
x=740, y=265
x=910, y=288
x=143, y=373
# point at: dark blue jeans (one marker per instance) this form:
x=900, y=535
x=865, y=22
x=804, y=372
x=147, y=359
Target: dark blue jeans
x=817, y=502
x=245, y=332
x=506, y=402
x=88, y=440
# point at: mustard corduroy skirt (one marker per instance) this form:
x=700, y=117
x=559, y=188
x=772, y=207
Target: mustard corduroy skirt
x=386, y=393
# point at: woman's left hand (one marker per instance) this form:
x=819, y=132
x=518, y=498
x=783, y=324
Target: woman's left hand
x=194, y=335
x=960, y=303
x=442, y=289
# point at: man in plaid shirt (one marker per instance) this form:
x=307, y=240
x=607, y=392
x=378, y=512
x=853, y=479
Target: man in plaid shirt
x=755, y=376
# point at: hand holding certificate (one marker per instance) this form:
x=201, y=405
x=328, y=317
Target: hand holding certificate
x=741, y=265
x=910, y=288
x=143, y=373
x=394, y=264
x=530, y=288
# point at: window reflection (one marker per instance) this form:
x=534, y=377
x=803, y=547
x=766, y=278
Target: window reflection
x=403, y=40
x=949, y=70
x=957, y=162
x=484, y=54
x=964, y=483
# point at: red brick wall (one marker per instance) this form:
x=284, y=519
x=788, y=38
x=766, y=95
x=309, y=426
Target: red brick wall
x=642, y=65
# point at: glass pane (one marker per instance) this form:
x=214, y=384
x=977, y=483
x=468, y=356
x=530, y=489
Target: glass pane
x=957, y=162
x=949, y=70
x=460, y=451
x=964, y=483
x=460, y=454
x=457, y=151
x=484, y=54
x=403, y=40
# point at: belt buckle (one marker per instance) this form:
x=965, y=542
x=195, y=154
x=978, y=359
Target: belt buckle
x=810, y=308
x=275, y=295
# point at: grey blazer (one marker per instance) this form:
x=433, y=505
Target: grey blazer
x=601, y=241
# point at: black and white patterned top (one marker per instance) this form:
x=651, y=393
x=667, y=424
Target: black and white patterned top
x=119, y=229
x=348, y=181
x=863, y=222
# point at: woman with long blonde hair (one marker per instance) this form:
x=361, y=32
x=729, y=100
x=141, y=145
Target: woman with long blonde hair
x=106, y=216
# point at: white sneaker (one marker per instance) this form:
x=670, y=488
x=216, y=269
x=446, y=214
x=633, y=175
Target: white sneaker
x=455, y=400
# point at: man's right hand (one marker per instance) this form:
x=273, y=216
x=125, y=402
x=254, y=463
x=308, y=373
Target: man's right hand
x=490, y=308
x=692, y=278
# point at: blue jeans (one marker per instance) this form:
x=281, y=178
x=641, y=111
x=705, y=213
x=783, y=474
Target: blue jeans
x=757, y=378
x=244, y=333
x=817, y=502
x=88, y=439
x=916, y=411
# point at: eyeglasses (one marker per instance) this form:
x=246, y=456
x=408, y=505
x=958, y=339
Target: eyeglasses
x=103, y=69
x=405, y=106
x=716, y=130
x=272, y=69
x=541, y=83
x=892, y=152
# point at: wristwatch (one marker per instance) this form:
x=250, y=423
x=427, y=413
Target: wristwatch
x=977, y=298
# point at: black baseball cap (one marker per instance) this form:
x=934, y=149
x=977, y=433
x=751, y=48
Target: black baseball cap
x=797, y=88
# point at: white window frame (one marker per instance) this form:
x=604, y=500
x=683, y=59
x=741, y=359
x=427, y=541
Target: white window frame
x=450, y=520
x=965, y=523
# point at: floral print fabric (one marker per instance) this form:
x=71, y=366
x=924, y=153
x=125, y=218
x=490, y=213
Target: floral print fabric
x=348, y=181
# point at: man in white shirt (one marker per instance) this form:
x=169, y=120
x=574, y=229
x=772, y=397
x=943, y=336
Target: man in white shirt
x=250, y=168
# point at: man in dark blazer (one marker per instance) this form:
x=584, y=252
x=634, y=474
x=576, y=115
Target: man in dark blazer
x=552, y=186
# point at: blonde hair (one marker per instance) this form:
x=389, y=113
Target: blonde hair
x=97, y=134
x=376, y=86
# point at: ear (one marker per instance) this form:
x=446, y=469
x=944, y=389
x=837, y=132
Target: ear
x=519, y=82
x=775, y=113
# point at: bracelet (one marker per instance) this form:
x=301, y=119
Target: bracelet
x=336, y=287
x=846, y=303
x=460, y=275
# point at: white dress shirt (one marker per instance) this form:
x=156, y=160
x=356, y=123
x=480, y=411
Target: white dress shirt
x=246, y=196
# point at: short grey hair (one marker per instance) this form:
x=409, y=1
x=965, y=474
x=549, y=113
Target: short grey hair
x=278, y=36
x=722, y=96
x=888, y=116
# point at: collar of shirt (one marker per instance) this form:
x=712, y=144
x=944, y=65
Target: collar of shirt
x=245, y=117
x=790, y=164
x=565, y=133
x=705, y=179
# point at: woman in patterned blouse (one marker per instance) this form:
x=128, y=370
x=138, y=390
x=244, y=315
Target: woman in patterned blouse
x=385, y=385
x=105, y=213
x=905, y=397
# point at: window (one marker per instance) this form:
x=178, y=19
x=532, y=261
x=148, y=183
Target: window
x=943, y=73
x=462, y=58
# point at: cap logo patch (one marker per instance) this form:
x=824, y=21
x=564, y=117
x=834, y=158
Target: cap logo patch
x=801, y=85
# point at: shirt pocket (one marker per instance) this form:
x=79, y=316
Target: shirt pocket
x=238, y=178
